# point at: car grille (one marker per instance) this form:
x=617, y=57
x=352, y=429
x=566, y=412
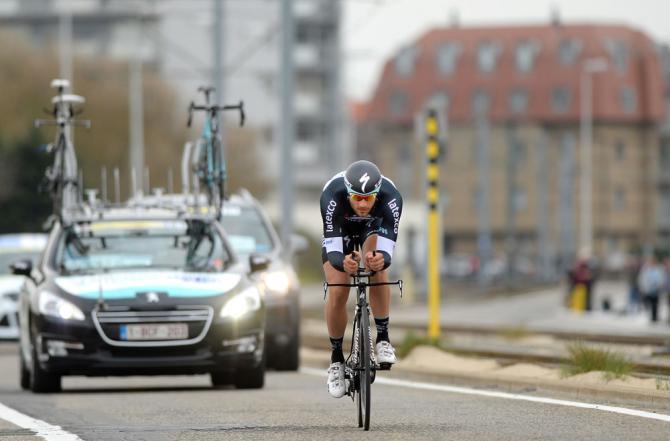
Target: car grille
x=108, y=322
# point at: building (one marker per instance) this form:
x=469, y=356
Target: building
x=511, y=98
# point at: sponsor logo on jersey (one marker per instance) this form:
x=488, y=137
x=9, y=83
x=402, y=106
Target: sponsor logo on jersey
x=395, y=210
x=329, y=215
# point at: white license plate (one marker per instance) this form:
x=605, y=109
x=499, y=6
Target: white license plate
x=173, y=331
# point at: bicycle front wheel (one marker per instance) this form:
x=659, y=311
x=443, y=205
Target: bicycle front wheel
x=364, y=389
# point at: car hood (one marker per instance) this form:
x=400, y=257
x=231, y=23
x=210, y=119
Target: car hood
x=10, y=283
x=125, y=285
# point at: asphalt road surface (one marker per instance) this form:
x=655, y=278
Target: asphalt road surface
x=296, y=406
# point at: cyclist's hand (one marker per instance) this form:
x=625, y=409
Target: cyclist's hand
x=374, y=261
x=351, y=264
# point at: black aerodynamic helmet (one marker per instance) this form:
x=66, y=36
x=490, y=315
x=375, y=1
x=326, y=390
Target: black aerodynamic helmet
x=362, y=177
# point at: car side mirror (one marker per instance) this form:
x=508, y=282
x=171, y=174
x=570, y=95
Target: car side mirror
x=299, y=243
x=258, y=262
x=22, y=267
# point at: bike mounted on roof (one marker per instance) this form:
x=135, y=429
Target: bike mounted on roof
x=208, y=157
x=61, y=178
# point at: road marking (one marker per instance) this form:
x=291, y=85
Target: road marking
x=41, y=428
x=504, y=395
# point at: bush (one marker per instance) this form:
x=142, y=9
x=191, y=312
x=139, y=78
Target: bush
x=584, y=359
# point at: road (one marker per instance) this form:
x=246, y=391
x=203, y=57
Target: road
x=295, y=406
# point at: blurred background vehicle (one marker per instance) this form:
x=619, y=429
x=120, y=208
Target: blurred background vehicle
x=250, y=231
x=15, y=247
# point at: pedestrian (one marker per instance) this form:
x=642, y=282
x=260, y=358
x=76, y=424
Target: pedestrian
x=634, y=296
x=652, y=281
x=666, y=265
x=581, y=280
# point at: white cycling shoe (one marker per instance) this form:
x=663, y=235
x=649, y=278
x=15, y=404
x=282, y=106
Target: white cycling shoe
x=336, y=385
x=385, y=353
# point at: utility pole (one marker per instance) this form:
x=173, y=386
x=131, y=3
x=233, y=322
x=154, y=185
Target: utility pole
x=512, y=160
x=65, y=22
x=219, y=48
x=543, y=207
x=484, y=182
x=567, y=188
x=287, y=123
x=136, y=113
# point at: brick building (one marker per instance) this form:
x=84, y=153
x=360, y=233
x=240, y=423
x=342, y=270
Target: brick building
x=511, y=96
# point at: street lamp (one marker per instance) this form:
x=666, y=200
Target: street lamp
x=589, y=67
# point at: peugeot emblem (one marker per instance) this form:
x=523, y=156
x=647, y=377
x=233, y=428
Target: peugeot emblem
x=152, y=297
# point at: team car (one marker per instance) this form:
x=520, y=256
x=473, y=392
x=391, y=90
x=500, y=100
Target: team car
x=14, y=247
x=250, y=232
x=140, y=291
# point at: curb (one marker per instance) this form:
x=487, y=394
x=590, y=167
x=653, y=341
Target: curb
x=320, y=358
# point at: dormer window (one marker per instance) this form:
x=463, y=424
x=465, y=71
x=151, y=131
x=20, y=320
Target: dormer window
x=568, y=50
x=487, y=56
x=618, y=52
x=447, y=56
x=406, y=61
x=526, y=52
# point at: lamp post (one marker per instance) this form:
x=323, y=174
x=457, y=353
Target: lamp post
x=589, y=67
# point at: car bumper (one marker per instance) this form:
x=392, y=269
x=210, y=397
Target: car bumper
x=79, y=349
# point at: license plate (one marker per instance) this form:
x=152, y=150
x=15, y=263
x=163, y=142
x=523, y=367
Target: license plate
x=173, y=331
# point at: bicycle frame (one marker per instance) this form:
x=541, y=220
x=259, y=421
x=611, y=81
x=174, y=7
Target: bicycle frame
x=211, y=162
x=62, y=176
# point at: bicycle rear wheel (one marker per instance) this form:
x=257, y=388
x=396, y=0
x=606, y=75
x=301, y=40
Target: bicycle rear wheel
x=364, y=389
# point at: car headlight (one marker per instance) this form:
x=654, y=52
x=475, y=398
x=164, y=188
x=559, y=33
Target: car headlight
x=51, y=304
x=277, y=281
x=243, y=303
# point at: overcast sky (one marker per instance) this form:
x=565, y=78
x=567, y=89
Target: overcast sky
x=374, y=29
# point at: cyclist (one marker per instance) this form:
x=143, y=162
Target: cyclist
x=359, y=206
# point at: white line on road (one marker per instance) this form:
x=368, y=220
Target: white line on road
x=504, y=395
x=41, y=428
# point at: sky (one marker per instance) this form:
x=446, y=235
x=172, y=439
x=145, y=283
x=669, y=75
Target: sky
x=373, y=30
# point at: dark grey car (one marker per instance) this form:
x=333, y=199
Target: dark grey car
x=249, y=230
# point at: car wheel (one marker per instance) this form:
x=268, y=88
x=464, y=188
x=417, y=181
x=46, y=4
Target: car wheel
x=42, y=381
x=25, y=373
x=253, y=378
x=289, y=357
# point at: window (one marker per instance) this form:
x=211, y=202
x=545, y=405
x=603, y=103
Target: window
x=518, y=100
x=619, y=199
x=568, y=50
x=521, y=152
x=664, y=154
x=480, y=101
x=520, y=199
x=620, y=150
x=525, y=55
x=618, y=52
x=560, y=99
x=405, y=61
x=487, y=55
x=447, y=57
x=398, y=103
x=438, y=101
x=628, y=99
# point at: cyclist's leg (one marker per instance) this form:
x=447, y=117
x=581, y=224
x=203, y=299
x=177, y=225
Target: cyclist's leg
x=380, y=296
x=380, y=300
x=335, y=311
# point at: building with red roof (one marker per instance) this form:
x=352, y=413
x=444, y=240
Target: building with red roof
x=511, y=97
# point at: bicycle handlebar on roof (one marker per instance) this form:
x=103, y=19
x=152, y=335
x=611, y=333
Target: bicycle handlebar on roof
x=213, y=111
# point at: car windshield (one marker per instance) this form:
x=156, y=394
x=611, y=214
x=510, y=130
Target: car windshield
x=113, y=245
x=247, y=233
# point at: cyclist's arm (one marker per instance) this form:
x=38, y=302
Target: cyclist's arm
x=388, y=230
x=332, y=231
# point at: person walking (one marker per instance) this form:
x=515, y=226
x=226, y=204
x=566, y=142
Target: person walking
x=652, y=280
